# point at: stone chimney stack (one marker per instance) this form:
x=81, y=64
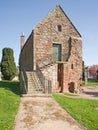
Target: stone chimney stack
x=22, y=40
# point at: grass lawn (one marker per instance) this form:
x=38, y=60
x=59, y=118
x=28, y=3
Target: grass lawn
x=9, y=103
x=83, y=110
x=90, y=83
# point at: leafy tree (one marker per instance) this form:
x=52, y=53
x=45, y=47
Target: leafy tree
x=92, y=70
x=97, y=74
x=8, y=67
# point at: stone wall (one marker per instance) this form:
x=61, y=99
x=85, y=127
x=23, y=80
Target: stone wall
x=26, y=55
x=46, y=33
x=50, y=73
x=73, y=68
x=38, y=49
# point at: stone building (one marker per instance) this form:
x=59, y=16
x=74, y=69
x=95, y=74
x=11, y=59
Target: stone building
x=51, y=58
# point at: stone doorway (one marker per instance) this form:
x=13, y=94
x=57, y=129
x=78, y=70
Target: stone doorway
x=60, y=77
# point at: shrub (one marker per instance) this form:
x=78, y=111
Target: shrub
x=8, y=67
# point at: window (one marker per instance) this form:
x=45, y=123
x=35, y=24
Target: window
x=71, y=66
x=59, y=28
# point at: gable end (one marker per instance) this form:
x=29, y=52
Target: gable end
x=58, y=6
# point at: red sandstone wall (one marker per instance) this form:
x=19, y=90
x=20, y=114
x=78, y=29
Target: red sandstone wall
x=39, y=48
x=50, y=73
x=46, y=33
x=74, y=74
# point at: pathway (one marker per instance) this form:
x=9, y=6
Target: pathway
x=43, y=113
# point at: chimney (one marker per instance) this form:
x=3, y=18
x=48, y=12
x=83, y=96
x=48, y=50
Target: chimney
x=22, y=40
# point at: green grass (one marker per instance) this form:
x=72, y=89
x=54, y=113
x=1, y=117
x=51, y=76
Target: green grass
x=9, y=103
x=90, y=83
x=83, y=110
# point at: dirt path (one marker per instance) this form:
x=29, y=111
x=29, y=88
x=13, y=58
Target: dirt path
x=43, y=113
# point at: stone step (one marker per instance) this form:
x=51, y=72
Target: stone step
x=32, y=88
x=34, y=84
x=37, y=95
x=35, y=92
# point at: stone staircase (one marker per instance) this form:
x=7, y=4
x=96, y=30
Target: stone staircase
x=34, y=84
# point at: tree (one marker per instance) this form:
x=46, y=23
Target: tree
x=92, y=70
x=97, y=74
x=8, y=67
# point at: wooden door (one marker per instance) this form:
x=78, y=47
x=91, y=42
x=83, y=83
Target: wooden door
x=56, y=56
x=60, y=77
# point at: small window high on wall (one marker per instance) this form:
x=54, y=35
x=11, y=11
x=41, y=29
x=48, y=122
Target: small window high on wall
x=59, y=28
x=71, y=66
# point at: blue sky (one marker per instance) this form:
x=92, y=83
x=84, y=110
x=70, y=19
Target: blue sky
x=17, y=16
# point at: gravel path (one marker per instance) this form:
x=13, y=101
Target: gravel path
x=43, y=113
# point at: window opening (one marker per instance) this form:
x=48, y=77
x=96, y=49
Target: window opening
x=71, y=66
x=59, y=28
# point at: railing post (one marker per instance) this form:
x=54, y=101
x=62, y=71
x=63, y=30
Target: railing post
x=49, y=87
x=23, y=80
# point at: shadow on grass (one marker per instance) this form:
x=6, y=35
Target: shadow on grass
x=11, y=85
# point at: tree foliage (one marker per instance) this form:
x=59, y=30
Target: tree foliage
x=8, y=67
x=93, y=71
x=97, y=74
